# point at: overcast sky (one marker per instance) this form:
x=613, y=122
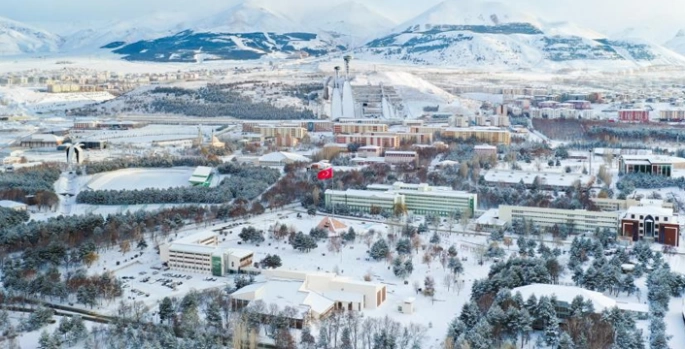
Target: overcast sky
x=662, y=17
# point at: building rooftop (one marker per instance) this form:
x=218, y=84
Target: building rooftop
x=547, y=178
x=280, y=156
x=363, y=193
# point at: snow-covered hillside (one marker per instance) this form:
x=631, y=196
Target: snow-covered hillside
x=248, y=17
x=18, y=38
x=469, y=33
x=352, y=21
x=677, y=44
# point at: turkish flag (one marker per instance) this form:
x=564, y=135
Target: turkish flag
x=325, y=174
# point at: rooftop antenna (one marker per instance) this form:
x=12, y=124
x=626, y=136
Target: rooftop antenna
x=347, y=59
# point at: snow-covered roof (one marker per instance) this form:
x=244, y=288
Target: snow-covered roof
x=239, y=252
x=39, y=137
x=399, y=152
x=369, y=159
x=363, y=193
x=202, y=171
x=566, y=294
x=484, y=147
x=194, y=238
x=658, y=159
x=650, y=210
x=11, y=204
x=281, y=156
x=547, y=178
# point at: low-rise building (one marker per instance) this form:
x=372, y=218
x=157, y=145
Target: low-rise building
x=394, y=157
x=658, y=165
x=200, y=253
x=369, y=151
x=485, y=150
x=41, y=141
x=579, y=221
x=651, y=221
x=543, y=180
x=314, y=295
x=282, y=158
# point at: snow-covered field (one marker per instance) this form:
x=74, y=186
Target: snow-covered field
x=140, y=178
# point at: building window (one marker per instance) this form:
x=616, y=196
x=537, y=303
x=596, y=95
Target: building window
x=632, y=216
x=665, y=219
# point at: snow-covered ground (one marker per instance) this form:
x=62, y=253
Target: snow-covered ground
x=141, y=178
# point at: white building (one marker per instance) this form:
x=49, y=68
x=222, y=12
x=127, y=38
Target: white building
x=282, y=159
x=200, y=253
x=202, y=176
x=418, y=198
x=578, y=220
x=363, y=200
x=546, y=180
x=313, y=294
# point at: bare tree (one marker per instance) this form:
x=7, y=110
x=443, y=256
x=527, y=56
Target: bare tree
x=448, y=280
x=427, y=259
x=416, y=242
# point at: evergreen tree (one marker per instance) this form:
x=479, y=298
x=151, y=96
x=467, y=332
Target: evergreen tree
x=403, y=247
x=452, y=251
x=454, y=264
x=213, y=315
x=383, y=340
x=166, y=310
x=379, y=250
x=435, y=239
x=470, y=314
x=565, y=341
x=480, y=337
x=657, y=333
x=547, y=315
x=351, y=235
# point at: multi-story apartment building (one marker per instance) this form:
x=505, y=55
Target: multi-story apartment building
x=672, y=114
x=201, y=254
x=579, y=221
x=352, y=128
x=490, y=135
x=633, y=115
x=294, y=131
x=384, y=140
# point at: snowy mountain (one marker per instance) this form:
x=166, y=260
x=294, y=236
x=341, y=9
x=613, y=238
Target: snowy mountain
x=246, y=31
x=677, y=44
x=476, y=34
x=351, y=21
x=18, y=38
x=248, y=17
x=118, y=33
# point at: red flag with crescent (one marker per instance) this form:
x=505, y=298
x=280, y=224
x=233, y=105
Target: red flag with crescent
x=326, y=173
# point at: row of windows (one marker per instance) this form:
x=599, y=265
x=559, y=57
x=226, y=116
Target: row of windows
x=632, y=216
